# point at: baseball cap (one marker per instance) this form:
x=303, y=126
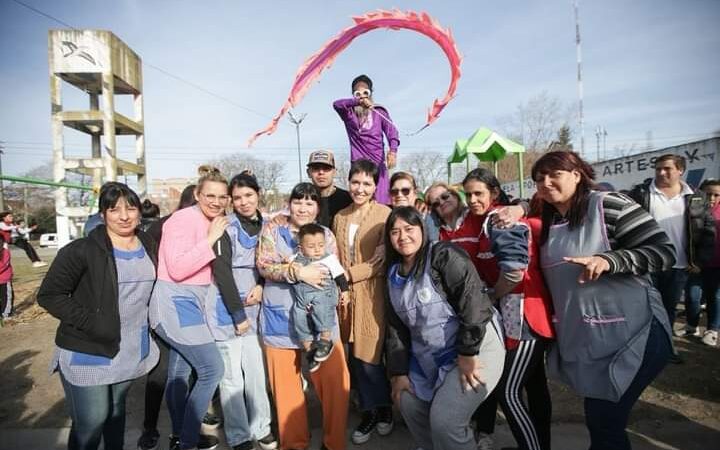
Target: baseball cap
x=322, y=157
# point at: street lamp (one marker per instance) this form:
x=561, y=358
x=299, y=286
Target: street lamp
x=297, y=121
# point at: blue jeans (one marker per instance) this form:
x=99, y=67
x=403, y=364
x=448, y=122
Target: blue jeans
x=243, y=391
x=320, y=303
x=670, y=284
x=96, y=412
x=607, y=420
x=693, y=294
x=711, y=293
x=371, y=384
x=187, y=411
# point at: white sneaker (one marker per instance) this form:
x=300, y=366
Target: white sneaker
x=710, y=338
x=485, y=441
x=39, y=264
x=687, y=332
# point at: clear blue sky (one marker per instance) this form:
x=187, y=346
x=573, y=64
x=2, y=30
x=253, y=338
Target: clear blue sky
x=650, y=65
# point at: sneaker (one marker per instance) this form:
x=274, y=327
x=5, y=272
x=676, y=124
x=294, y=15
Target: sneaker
x=148, y=440
x=687, y=332
x=323, y=348
x=710, y=338
x=247, y=445
x=363, y=431
x=313, y=365
x=174, y=443
x=39, y=264
x=268, y=442
x=207, y=442
x=211, y=421
x=485, y=441
x=385, y=421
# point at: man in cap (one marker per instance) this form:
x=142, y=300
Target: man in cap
x=321, y=170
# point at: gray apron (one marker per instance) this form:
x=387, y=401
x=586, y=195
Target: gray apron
x=602, y=326
x=433, y=327
x=246, y=277
x=276, y=324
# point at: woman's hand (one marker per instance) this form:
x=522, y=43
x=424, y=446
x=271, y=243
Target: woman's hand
x=217, y=228
x=469, y=370
x=506, y=216
x=255, y=295
x=242, y=327
x=400, y=383
x=366, y=102
x=344, y=298
x=391, y=160
x=315, y=275
x=594, y=267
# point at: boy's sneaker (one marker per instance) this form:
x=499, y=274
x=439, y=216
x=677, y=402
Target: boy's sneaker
x=211, y=421
x=247, y=445
x=385, y=421
x=148, y=440
x=687, y=332
x=174, y=443
x=323, y=348
x=207, y=442
x=710, y=338
x=313, y=364
x=363, y=431
x=39, y=264
x=268, y=442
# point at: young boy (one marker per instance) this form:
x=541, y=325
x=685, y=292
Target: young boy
x=313, y=312
x=6, y=273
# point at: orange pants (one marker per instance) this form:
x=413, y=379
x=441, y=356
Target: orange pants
x=332, y=384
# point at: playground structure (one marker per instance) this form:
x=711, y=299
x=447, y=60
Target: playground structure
x=101, y=65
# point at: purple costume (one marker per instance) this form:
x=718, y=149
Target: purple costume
x=366, y=139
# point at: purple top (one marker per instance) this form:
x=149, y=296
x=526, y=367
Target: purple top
x=366, y=139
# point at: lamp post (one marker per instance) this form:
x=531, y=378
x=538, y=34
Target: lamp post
x=297, y=121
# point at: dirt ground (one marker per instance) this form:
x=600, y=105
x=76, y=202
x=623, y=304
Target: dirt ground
x=687, y=394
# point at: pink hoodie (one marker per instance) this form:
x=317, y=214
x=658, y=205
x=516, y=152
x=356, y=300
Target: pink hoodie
x=6, y=270
x=185, y=254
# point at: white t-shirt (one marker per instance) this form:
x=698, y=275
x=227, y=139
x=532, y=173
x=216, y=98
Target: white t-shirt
x=670, y=215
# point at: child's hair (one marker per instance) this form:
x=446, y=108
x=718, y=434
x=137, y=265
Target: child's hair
x=149, y=209
x=209, y=173
x=310, y=229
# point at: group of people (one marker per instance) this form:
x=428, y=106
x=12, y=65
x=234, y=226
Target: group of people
x=439, y=305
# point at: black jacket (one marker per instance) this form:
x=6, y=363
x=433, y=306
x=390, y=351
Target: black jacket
x=700, y=242
x=454, y=276
x=81, y=290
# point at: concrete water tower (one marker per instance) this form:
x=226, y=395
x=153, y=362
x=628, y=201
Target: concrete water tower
x=103, y=66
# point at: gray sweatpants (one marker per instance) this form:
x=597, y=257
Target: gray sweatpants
x=444, y=423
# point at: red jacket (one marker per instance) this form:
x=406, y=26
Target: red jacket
x=6, y=270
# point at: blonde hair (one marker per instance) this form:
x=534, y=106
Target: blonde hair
x=450, y=189
x=207, y=172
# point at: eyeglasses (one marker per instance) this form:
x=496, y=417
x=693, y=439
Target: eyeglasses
x=404, y=191
x=362, y=93
x=445, y=196
x=212, y=198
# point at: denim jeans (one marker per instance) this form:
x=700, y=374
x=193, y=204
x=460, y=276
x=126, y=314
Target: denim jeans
x=606, y=420
x=96, y=412
x=320, y=303
x=693, y=295
x=371, y=383
x=243, y=391
x=670, y=284
x=187, y=411
x=711, y=294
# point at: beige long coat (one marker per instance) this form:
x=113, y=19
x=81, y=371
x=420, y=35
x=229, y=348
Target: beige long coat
x=363, y=322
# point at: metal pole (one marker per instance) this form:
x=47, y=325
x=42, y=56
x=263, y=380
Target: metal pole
x=297, y=121
x=598, y=132
x=25, y=207
x=2, y=188
x=581, y=118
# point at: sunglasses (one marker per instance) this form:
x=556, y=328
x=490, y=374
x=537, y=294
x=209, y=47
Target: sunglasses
x=445, y=196
x=404, y=191
x=362, y=93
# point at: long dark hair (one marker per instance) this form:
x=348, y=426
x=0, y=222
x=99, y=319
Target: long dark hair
x=187, y=197
x=486, y=177
x=413, y=217
x=112, y=191
x=567, y=161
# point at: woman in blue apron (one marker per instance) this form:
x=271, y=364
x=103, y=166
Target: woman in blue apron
x=444, y=345
x=613, y=334
x=243, y=391
x=99, y=287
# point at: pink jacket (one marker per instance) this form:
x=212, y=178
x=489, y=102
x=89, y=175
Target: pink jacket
x=6, y=270
x=185, y=254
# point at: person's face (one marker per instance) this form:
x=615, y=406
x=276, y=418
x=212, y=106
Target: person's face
x=479, y=197
x=8, y=218
x=443, y=202
x=313, y=245
x=667, y=174
x=713, y=194
x=362, y=188
x=245, y=201
x=322, y=175
x=402, y=193
x=303, y=211
x=122, y=219
x=212, y=197
x=558, y=186
x=406, y=239
x=361, y=90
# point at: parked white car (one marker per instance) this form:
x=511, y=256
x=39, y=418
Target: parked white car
x=48, y=240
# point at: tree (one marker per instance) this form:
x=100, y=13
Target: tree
x=268, y=174
x=427, y=167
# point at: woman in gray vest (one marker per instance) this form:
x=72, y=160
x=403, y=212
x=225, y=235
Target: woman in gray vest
x=99, y=287
x=613, y=334
x=444, y=345
x=243, y=392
